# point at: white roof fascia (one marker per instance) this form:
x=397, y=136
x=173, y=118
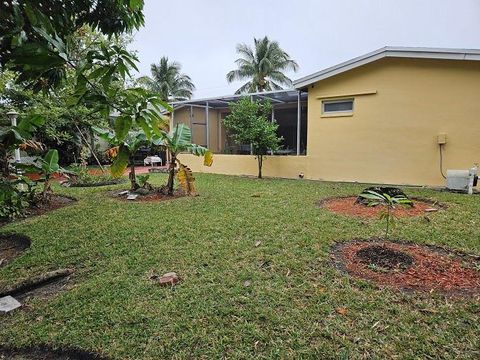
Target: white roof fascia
x=404, y=52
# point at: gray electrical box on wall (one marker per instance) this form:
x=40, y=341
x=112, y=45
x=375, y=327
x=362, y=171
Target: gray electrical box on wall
x=442, y=139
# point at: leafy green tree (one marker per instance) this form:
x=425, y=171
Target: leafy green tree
x=248, y=123
x=39, y=47
x=263, y=66
x=27, y=28
x=168, y=81
x=62, y=122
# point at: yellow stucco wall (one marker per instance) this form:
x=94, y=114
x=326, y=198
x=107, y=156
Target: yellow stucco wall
x=391, y=136
x=273, y=166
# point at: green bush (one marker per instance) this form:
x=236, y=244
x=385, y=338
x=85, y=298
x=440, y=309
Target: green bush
x=16, y=196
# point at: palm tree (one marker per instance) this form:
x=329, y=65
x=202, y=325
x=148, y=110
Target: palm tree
x=263, y=66
x=168, y=81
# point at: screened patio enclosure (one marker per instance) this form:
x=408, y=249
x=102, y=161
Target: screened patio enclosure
x=205, y=119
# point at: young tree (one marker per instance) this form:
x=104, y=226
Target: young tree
x=248, y=123
x=263, y=66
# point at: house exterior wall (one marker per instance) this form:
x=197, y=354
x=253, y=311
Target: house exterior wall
x=392, y=135
x=400, y=106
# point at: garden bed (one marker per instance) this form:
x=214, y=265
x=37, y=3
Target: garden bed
x=349, y=206
x=56, y=202
x=11, y=246
x=95, y=184
x=410, y=267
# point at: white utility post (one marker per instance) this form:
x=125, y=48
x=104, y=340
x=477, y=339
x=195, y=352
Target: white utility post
x=299, y=117
x=12, y=115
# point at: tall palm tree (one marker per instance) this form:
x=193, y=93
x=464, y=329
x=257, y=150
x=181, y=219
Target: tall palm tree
x=168, y=81
x=263, y=66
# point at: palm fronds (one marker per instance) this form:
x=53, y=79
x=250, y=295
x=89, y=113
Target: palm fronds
x=264, y=66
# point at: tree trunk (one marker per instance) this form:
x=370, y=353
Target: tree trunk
x=260, y=164
x=46, y=188
x=132, y=176
x=171, y=174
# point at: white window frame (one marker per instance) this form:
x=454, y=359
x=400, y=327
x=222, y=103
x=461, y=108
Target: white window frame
x=339, y=112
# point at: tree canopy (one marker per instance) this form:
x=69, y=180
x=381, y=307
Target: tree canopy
x=248, y=123
x=22, y=22
x=263, y=66
x=168, y=81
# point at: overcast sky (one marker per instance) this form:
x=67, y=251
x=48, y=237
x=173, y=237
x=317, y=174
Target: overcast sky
x=202, y=34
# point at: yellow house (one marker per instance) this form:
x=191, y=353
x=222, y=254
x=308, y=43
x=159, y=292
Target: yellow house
x=393, y=116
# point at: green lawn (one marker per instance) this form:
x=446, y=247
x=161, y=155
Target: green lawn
x=288, y=311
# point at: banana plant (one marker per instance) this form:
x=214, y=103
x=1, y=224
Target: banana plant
x=375, y=198
x=139, y=122
x=46, y=166
x=177, y=141
x=123, y=151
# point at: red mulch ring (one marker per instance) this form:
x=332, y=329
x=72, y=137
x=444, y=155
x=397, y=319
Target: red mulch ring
x=36, y=176
x=410, y=267
x=11, y=246
x=348, y=206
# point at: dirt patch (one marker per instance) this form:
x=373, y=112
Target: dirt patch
x=47, y=353
x=11, y=246
x=410, y=267
x=56, y=202
x=384, y=257
x=152, y=197
x=350, y=207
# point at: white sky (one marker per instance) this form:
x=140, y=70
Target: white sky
x=202, y=34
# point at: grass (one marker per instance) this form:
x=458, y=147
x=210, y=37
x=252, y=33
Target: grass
x=289, y=309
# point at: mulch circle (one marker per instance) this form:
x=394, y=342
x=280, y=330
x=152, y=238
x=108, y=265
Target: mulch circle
x=97, y=184
x=11, y=246
x=409, y=267
x=47, y=353
x=348, y=206
x=56, y=202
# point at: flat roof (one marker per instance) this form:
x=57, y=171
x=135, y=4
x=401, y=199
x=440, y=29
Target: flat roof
x=389, y=51
x=276, y=97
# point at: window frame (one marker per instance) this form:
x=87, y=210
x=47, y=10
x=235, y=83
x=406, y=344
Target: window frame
x=338, y=112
